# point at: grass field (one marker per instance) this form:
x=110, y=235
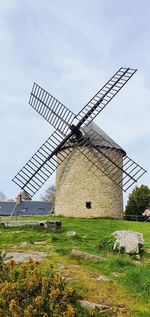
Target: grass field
x=128, y=285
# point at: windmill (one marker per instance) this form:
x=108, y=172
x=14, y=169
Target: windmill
x=92, y=170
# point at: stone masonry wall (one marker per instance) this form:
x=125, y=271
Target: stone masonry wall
x=79, y=182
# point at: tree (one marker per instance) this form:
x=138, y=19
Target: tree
x=49, y=195
x=138, y=201
x=2, y=196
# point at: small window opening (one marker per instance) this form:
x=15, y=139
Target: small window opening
x=88, y=204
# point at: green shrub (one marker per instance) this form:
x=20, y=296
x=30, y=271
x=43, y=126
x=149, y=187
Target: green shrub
x=107, y=243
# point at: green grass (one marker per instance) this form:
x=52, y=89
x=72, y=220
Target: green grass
x=97, y=228
x=138, y=280
x=133, y=281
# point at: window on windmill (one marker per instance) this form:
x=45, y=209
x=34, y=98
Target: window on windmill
x=88, y=204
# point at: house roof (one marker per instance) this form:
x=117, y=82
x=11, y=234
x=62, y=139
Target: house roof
x=25, y=208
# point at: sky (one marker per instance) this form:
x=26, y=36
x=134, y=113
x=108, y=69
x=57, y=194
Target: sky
x=71, y=49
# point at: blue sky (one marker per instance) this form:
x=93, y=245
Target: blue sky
x=71, y=48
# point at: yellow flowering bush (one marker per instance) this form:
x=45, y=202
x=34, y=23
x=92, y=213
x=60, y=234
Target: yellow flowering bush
x=25, y=292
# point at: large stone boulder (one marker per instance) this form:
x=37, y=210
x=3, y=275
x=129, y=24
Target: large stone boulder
x=128, y=241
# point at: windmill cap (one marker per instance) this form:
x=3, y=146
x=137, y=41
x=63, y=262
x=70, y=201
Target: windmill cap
x=101, y=138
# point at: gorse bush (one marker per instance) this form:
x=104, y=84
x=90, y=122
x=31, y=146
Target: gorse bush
x=25, y=292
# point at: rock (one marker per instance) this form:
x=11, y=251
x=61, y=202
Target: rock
x=23, y=244
x=71, y=233
x=137, y=257
x=68, y=279
x=90, y=305
x=24, y=256
x=102, y=278
x=50, y=225
x=87, y=256
x=122, y=308
x=39, y=242
x=53, y=225
x=61, y=266
x=128, y=241
x=117, y=274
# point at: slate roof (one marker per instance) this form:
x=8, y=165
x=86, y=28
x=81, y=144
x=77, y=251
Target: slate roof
x=25, y=208
x=102, y=138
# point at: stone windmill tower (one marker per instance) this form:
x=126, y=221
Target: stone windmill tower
x=83, y=190
x=92, y=170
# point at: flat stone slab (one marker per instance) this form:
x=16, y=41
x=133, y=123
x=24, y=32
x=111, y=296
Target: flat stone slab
x=25, y=256
x=51, y=225
x=71, y=233
x=90, y=305
x=102, y=278
x=87, y=256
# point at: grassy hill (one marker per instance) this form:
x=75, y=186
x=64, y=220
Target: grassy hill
x=127, y=288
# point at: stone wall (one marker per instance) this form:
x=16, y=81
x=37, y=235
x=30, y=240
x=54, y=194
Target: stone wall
x=81, y=185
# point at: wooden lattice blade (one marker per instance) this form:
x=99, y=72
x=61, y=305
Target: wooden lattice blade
x=52, y=110
x=104, y=96
x=61, y=118
x=121, y=169
x=41, y=165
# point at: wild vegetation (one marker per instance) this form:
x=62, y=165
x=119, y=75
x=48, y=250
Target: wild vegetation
x=49, y=195
x=127, y=288
x=26, y=292
x=2, y=196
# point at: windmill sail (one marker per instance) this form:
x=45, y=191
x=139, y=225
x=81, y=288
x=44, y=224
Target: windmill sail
x=60, y=117
x=104, y=96
x=41, y=165
x=52, y=110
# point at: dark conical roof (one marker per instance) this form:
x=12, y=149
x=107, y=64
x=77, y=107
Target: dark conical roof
x=101, y=138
